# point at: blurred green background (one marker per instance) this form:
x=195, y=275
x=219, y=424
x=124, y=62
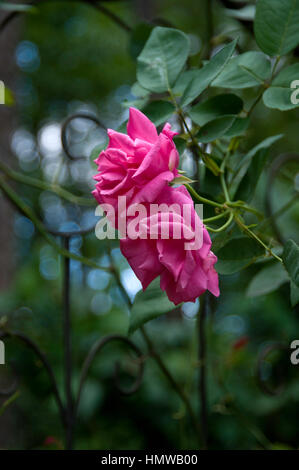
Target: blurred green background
x=70, y=57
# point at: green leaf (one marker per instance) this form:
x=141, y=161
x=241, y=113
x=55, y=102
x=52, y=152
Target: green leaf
x=158, y=111
x=244, y=71
x=250, y=180
x=182, y=179
x=215, y=129
x=237, y=254
x=138, y=91
x=276, y=26
x=267, y=280
x=184, y=81
x=294, y=294
x=283, y=93
x=180, y=144
x=211, y=164
x=247, y=160
x=239, y=126
x=290, y=258
x=162, y=59
x=200, y=79
x=221, y=105
x=148, y=305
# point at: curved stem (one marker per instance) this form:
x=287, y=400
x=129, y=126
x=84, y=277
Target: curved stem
x=28, y=212
x=216, y=217
x=253, y=235
x=202, y=199
x=39, y=184
x=245, y=207
x=224, y=226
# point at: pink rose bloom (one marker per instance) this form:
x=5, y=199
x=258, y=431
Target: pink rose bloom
x=185, y=274
x=138, y=165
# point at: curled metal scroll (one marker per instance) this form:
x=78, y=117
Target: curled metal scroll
x=73, y=233
x=95, y=349
x=31, y=345
x=93, y=3
x=263, y=355
x=275, y=168
x=64, y=128
x=68, y=409
x=70, y=156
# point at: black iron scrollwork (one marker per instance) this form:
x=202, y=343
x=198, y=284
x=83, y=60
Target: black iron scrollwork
x=69, y=409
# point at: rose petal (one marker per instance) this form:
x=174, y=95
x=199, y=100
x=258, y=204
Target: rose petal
x=140, y=127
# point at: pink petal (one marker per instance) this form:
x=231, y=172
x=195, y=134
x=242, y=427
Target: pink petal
x=151, y=190
x=143, y=259
x=140, y=127
x=171, y=255
x=120, y=141
x=167, y=131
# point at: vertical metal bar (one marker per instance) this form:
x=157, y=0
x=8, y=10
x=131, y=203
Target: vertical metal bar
x=202, y=368
x=69, y=424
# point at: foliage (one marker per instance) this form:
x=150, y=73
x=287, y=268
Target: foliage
x=231, y=104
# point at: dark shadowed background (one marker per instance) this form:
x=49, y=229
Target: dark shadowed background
x=69, y=57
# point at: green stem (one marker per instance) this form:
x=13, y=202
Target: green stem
x=253, y=235
x=246, y=207
x=249, y=112
x=216, y=217
x=9, y=401
x=28, y=212
x=202, y=199
x=183, y=120
x=222, y=177
x=224, y=226
x=55, y=188
x=264, y=86
x=275, y=66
